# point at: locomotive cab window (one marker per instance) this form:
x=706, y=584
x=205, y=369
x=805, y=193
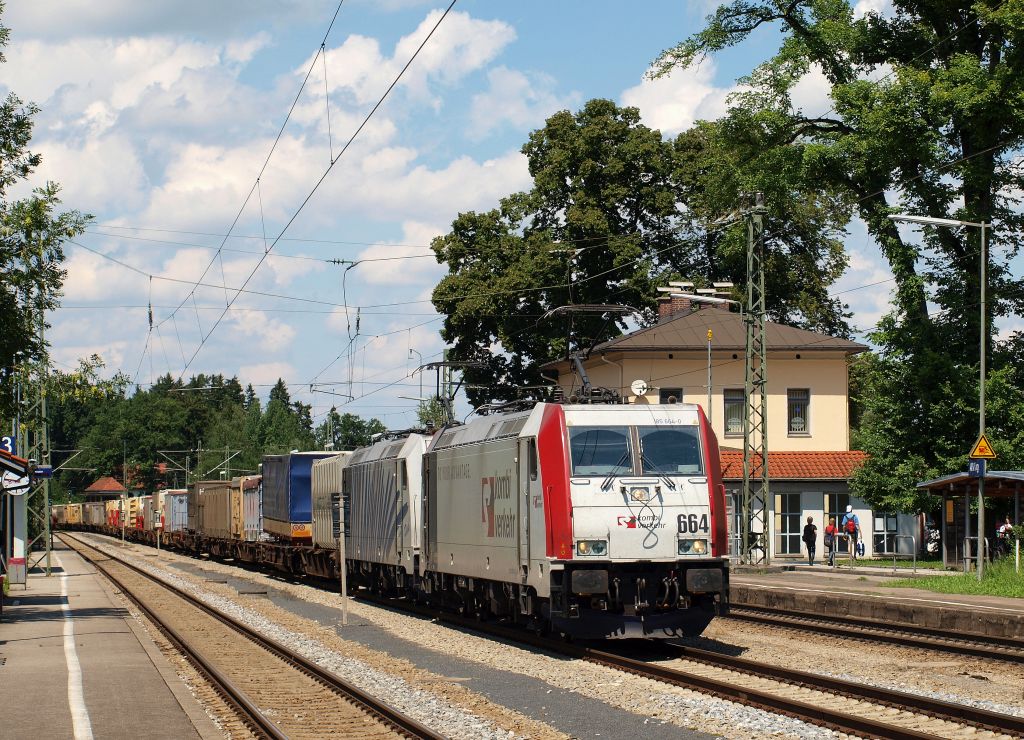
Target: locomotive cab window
x=600, y=451
x=532, y=459
x=670, y=451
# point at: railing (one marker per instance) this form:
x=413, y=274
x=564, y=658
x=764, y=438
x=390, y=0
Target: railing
x=967, y=553
x=913, y=550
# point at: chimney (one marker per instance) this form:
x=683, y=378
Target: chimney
x=676, y=298
x=670, y=305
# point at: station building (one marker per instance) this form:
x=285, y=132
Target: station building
x=808, y=426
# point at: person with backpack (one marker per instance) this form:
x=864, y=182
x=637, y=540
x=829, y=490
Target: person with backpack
x=810, y=539
x=851, y=528
x=831, y=532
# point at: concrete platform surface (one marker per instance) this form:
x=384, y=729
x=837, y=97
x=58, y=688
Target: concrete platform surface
x=75, y=664
x=861, y=593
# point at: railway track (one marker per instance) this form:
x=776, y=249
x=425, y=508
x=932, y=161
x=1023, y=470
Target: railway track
x=1006, y=649
x=276, y=692
x=844, y=706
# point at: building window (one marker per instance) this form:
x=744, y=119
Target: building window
x=670, y=395
x=835, y=507
x=799, y=401
x=884, y=534
x=787, y=523
x=734, y=412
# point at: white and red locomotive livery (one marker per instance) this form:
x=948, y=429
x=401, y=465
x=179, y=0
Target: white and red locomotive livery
x=594, y=520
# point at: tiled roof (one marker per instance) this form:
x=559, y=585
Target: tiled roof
x=798, y=465
x=106, y=484
x=689, y=330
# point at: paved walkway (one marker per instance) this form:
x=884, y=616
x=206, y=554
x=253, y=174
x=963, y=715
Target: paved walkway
x=75, y=664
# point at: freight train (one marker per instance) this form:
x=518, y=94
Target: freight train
x=593, y=520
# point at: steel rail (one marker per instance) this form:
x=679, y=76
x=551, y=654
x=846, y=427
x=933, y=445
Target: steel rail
x=373, y=706
x=767, y=701
x=1007, y=649
x=250, y=714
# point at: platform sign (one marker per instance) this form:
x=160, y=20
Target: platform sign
x=42, y=471
x=976, y=468
x=9, y=444
x=982, y=450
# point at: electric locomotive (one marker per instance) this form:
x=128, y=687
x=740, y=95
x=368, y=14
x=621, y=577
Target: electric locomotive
x=595, y=520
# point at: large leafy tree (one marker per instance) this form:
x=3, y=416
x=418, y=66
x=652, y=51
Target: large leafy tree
x=32, y=232
x=614, y=210
x=925, y=116
x=346, y=431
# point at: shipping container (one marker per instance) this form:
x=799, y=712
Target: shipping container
x=94, y=514
x=141, y=518
x=73, y=514
x=58, y=513
x=152, y=510
x=215, y=509
x=252, y=507
x=287, y=495
x=113, y=509
x=175, y=510
x=326, y=489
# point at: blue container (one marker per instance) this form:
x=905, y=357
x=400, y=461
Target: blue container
x=287, y=495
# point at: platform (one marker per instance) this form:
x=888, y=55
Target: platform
x=858, y=592
x=75, y=664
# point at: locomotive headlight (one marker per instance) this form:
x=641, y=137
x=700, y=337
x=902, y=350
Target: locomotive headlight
x=693, y=547
x=596, y=548
x=639, y=494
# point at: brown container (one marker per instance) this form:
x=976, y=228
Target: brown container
x=73, y=514
x=215, y=509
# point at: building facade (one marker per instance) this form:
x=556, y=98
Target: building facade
x=808, y=425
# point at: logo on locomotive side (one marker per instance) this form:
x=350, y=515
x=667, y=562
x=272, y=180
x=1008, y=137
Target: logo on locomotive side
x=496, y=506
x=646, y=521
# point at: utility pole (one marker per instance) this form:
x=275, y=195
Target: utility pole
x=37, y=447
x=755, y=493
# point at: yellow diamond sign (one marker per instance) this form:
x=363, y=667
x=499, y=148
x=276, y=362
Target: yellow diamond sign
x=982, y=449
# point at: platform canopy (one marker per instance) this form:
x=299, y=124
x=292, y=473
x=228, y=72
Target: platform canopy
x=997, y=483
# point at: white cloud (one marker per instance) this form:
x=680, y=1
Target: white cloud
x=266, y=373
x=271, y=335
x=95, y=173
x=62, y=18
x=674, y=102
x=420, y=268
x=811, y=93
x=516, y=99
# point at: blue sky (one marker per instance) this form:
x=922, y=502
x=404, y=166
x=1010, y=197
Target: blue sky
x=157, y=116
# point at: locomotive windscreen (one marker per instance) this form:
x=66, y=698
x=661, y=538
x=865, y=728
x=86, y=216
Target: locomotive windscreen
x=670, y=450
x=601, y=451
x=664, y=450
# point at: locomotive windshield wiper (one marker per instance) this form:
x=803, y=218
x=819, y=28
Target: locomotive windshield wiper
x=669, y=484
x=607, y=482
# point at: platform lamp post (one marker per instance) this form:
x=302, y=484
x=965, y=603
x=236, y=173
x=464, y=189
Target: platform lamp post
x=983, y=341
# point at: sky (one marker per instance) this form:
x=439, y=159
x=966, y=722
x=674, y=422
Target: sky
x=165, y=120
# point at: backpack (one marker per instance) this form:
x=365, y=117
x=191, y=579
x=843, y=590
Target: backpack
x=851, y=525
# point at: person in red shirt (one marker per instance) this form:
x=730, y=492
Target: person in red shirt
x=830, y=541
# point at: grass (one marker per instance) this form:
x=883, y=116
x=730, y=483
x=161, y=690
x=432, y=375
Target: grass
x=884, y=562
x=999, y=580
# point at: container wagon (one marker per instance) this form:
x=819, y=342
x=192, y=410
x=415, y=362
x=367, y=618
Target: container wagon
x=252, y=507
x=287, y=496
x=214, y=516
x=94, y=514
x=73, y=515
x=326, y=489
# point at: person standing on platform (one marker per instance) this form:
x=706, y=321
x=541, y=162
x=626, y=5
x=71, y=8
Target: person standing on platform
x=810, y=539
x=851, y=528
x=831, y=532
